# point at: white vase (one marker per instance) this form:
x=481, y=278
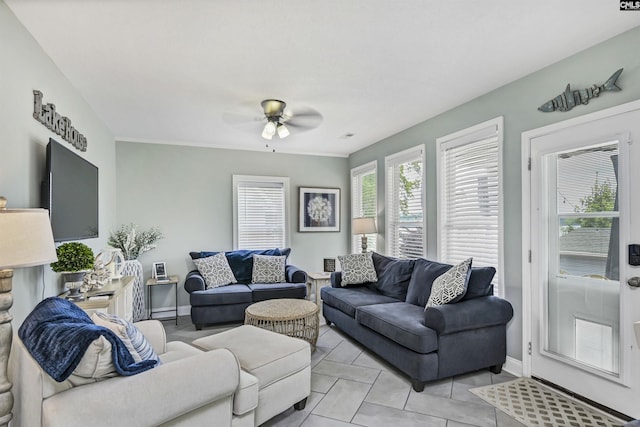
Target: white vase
x=134, y=268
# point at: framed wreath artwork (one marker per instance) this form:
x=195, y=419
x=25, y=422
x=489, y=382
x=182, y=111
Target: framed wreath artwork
x=319, y=209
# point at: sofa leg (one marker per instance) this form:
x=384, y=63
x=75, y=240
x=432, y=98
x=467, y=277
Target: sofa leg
x=198, y=327
x=496, y=369
x=418, y=385
x=300, y=405
x=328, y=322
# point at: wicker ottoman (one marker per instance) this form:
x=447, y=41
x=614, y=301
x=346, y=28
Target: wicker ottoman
x=296, y=318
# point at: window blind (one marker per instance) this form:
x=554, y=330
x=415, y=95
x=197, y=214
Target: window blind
x=470, y=201
x=364, y=200
x=404, y=204
x=260, y=214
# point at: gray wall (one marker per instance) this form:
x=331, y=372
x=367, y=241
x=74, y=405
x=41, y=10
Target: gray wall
x=187, y=192
x=517, y=102
x=26, y=67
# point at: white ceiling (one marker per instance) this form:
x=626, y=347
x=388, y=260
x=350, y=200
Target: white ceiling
x=169, y=71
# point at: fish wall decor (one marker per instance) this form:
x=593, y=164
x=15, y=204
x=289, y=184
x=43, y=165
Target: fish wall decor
x=569, y=99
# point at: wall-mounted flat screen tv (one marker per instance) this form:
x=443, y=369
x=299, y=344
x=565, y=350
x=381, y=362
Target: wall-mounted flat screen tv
x=70, y=193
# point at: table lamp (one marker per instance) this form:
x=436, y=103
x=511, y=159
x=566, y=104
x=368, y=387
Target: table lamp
x=363, y=226
x=26, y=240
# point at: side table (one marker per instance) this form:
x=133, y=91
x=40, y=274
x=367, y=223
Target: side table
x=317, y=281
x=152, y=283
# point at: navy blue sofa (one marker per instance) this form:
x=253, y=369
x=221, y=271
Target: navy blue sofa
x=228, y=303
x=389, y=318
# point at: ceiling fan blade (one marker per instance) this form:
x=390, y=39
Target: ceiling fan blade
x=241, y=118
x=305, y=121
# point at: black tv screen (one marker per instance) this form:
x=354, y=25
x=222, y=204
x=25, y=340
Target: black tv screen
x=70, y=193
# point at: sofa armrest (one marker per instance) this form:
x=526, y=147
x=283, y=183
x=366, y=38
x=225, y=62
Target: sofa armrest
x=471, y=314
x=295, y=275
x=154, y=332
x=194, y=282
x=336, y=279
x=153, y=397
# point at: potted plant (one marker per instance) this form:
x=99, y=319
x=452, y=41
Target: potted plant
x=74, y=261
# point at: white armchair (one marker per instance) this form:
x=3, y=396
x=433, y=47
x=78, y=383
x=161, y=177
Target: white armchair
x=189, y=388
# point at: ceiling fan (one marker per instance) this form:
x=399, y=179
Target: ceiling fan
x=277, y=118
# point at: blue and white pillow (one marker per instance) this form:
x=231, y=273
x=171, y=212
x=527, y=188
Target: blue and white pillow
x=131, y=336
x=357, y=269
x=215, y=270
x=268, y=269
x=451, y=286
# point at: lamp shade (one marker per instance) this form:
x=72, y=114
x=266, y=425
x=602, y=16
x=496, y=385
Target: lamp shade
x=363, y=225
x=26, y=238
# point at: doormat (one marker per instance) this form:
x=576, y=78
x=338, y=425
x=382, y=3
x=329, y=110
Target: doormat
x=535, y=404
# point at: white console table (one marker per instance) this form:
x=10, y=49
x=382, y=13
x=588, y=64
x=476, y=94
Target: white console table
x=120, y=303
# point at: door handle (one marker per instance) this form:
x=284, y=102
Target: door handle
x=634, y=282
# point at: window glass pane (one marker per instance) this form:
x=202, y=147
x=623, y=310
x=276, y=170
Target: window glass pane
x=470, y=200
x=260, y=215
x=405, y=216
x=364, y=202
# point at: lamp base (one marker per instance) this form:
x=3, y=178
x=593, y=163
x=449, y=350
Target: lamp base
x=364, y=244
x=6, y=335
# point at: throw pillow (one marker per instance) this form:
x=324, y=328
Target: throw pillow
x=357, y=269
x=393, y=274
x=268, y=269
x=424, y=273
x=451, y=286
x=480, y=282
x=215, y=270
x=241, y=262
x=131, y=336
x=97, y=361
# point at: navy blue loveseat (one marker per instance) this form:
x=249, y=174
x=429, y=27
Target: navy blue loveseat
x=227, y=303
x=389, y=318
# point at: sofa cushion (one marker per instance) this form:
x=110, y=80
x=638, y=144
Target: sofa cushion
x=480, y=283
x=268, y=269
x=357, y=269
x=393, y=274
x=133, y=339
x=400, y=322
x=265, y=291
x=241, y=262
x=231, y=294
x=348, y=299
x=451, y=286
x=215, y=270
x=424, y=273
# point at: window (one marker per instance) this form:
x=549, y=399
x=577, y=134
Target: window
x=260, y=212
x=364, y=200
x=404, y=193
x=469, y=196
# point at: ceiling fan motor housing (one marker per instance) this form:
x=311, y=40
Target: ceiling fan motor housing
x=273, y=108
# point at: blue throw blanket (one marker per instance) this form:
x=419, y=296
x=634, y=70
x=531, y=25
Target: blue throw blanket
x=57, y=333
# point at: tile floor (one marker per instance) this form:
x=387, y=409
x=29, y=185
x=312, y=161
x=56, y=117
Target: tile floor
x=349, y=386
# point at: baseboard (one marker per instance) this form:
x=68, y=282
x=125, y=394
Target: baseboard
x=513, y=366
x=162, y=312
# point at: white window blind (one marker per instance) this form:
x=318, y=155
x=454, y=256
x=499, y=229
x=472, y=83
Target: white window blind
x=260, y=214
x=469, y=197
x=364, y=200
x=404, y=204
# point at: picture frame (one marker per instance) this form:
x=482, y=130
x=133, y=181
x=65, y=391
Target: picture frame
x=319, y=209
x=159, y=270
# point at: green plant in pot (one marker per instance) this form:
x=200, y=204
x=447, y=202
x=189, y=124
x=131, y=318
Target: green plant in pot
x=74, y=261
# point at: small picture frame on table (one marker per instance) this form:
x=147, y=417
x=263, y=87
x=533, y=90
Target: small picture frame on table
x=159, y=271
x=319, y=209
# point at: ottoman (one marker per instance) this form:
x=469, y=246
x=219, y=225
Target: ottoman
x=281, y=364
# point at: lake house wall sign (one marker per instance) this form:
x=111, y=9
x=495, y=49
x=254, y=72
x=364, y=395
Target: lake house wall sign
x=48, y=116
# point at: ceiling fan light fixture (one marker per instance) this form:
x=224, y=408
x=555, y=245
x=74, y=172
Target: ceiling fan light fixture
x=283, y=132
x=269, y=130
